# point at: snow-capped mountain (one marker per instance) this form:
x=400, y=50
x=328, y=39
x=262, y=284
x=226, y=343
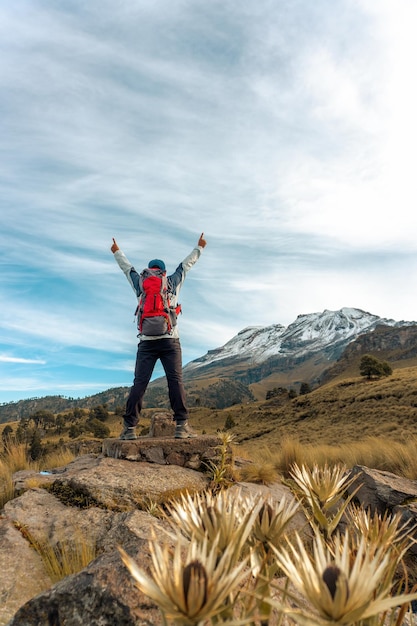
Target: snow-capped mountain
x=328, y=332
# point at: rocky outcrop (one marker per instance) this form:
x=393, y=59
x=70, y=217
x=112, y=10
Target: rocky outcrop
x=108, y=503
x=115, y=484
x=382, y=491
x=112, y=502
x=101, y=594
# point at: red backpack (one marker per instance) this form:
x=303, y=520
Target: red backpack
x=155, y=314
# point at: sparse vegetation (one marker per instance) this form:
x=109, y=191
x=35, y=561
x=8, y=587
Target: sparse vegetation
x=221, y=471
x=236, y=545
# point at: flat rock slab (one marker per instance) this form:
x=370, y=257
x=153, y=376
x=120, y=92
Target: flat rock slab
x=190, y=453
x=117, y=484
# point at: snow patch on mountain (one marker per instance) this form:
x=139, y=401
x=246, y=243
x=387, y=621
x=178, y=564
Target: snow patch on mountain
x=308, y=333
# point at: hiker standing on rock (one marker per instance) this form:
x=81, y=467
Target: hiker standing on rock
x=157, y=313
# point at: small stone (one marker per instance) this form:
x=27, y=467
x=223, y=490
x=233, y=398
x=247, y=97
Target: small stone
x=162, y=425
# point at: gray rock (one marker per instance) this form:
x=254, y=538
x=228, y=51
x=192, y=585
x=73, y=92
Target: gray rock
x=15, y=588
x=382, y=491
x=162, y=425
x=102, y=594
x=45, y=518
x=118, y=484
x=194, y=453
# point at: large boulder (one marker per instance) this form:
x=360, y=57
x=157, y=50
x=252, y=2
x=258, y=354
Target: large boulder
x=102, y=594
x=116, y=484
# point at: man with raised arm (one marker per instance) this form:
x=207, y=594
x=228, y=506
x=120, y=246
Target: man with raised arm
x=157, y=311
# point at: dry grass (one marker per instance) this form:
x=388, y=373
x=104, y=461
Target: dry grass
x=58, y=458
x=7, y=491
x=15, y=458
x=261, y=473
x=67, y=556
x=349, y=420
x=375, y=452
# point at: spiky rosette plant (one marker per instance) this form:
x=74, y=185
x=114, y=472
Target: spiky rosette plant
x=387, y=532
x=221, y=519
x=344, y=583
x=321, y=491
x=381, y=530
x=190, y=586
x=268, y=531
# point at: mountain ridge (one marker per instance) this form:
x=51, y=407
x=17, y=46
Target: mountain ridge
x=259, y=350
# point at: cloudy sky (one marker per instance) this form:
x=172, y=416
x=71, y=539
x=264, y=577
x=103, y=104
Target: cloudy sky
x=284, y=129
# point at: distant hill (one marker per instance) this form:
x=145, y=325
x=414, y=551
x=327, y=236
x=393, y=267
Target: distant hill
x=14, y=411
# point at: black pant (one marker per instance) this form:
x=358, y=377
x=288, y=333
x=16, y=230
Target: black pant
x=169, y=353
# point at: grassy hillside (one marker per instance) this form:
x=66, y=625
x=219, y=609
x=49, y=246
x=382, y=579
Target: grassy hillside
x=345, y=410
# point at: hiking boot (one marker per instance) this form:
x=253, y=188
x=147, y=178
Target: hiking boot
x=184, y=431
x=128, y=432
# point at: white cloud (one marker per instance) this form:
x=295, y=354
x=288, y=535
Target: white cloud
x=10, y=359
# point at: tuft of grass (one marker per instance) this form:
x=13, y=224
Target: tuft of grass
x=259, y=473
x=7, y=491
x=57, y=458
x=291, y=452
x=16, y=458
x=66, y=557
